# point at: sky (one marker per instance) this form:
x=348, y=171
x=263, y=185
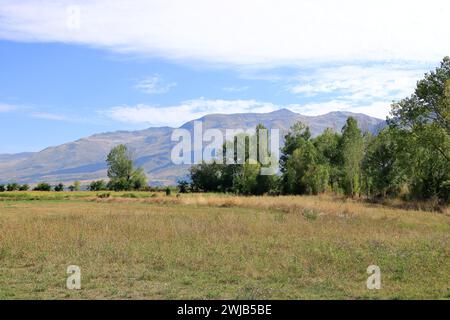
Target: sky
x=69, y=69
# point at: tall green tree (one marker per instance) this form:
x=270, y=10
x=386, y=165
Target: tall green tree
x=382, y=166
x=352, y=152
x=423, y=123
x=327, y=145
x=305, y=174
x=121, y=172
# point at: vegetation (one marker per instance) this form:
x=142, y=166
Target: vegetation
x=76, y=186
x=230, y=177
x=121, y=172
x=59, y=187
x=410, y=157
x=43, y=187
x=98, y=185
x=205, y=246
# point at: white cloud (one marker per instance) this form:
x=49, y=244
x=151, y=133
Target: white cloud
x=359, y=82
x=175, y=116
x=7, y=107
x=263, y=32
x=235, y=89
x=154, y=85
x=365, y=89
x=376, y=109
x=50, y=116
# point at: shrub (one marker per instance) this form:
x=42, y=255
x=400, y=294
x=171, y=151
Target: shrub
x=12, y=187
x=99, y=185
x=43, y=187
x=2, y=188
x=129, y=195
x=24, y=187
x=59, y=187
x=168, y=191
x=104, y=195
x=183, y=186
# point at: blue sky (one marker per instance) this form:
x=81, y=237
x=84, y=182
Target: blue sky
x=70, y=71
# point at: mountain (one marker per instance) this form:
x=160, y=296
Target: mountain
x=84, y=159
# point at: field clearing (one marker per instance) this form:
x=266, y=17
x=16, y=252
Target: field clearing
x=209, y=246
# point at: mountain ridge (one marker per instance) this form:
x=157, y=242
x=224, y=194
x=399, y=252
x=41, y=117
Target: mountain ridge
x=84, y=159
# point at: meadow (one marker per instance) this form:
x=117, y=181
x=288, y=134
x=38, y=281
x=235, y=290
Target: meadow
x=209, y=246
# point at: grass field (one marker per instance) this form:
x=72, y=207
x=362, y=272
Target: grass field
x=152, y=246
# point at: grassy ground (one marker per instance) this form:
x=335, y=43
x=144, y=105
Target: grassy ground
x=152, y=246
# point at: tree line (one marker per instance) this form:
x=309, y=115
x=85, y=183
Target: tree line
x=409, y=157
x=121, y=173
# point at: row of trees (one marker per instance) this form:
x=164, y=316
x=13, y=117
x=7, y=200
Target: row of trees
x=39, y=187
x=121, y=173
x=409, y=157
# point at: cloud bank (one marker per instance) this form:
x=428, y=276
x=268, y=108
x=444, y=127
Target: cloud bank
x=251, y=32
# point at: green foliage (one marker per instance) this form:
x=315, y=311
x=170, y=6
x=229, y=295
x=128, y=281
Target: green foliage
x=43, y=187
x=410, y=157
x=352, y=153
x=304, y=174
x=2, y=188
x=238, y=175
x=59, y=187
x=12, y=187
x=183, y=186
x=75, y=186
x=121, y=172
x=423, y=125
x=168, y=191
x=206, y=177
x=24, y=187
x=104, y=195
x=383, y=171
x=98, y=185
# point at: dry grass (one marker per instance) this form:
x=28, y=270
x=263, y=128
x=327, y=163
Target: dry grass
x=218, y=246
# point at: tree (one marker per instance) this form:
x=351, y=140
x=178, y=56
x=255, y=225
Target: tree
x=43, y=187
x=2, y=188
x=297, y=137
x=121, y=172
x=246, y=181
x=76, y=186
x=352, y=152
x=298, y=133
x=183, y=186
x=327, y=145
x=206, y=177
x=12, y=187
x=304, y=173
x=99, y=185
x=59, y=187
x=381, y=165
x=423, y=122
x=24, y=187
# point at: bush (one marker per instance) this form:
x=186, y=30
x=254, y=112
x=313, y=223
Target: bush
x=129, y=195
x=24, y=187
x=99, y=185
x=168, y=191
x=104, y=195
x=12, y=187
x=43, y=187
x=59, y=187
x=183, y=186
x=2, y=188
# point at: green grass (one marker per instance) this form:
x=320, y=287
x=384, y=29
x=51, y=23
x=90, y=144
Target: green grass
x=218, y=247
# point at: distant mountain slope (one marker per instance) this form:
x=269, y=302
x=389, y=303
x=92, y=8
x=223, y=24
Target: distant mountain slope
x=84, y=159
